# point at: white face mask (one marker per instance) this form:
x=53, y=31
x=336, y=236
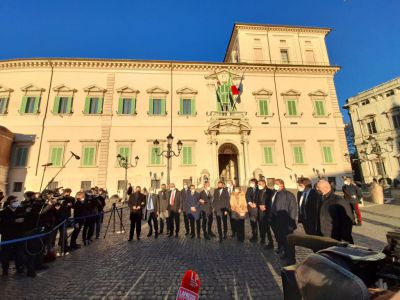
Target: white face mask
x=15, y=204
x=237, y=191
x=301, y=188
x=347, y=183
x=260, y=187
x=228, y=185
x=185, y=187
x=192, y=191
x=252, y=184
x=208, y=188
x=276, y=187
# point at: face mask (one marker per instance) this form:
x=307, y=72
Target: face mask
x=252, y=185
x=185, y=187
x=237, y=191
x=276, y=187
x=228, y=185
x=301, y=189
x=347, y=183
x=192, y=191
x=260, y=187
x=14, y=204
x=208, y=188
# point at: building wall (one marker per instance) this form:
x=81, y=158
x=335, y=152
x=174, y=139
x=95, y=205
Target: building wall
x=379, y=104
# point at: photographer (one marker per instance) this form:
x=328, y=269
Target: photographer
x=79, y=213
x=100, y=203
x=91, y=210
x=12, y=226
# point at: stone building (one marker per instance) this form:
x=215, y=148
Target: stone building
x=375, y=116
x=283, y=120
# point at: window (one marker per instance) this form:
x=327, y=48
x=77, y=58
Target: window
x=188, y=106
x=396, y=121
x=327, y=154
x=310, y=56
x=187, y=158
x=86, y=185
x=263, y=107
x=3, y=105
x=62, y=105
x=30, y=105
x=20, y=156
x=157, y=106
x=365, y=102
x=268, y=158
x=258, y=55
x=390, y=93
x=292, y=107
x=284, y=56
x=17, y=187
x=380, y=168
x=93, y=105
x=298, y=154
x=371, y=127
x=124, y=151
x=89, y=156
x=57, y=156
x=127, y=106
x=154, y=158
x=319, y=108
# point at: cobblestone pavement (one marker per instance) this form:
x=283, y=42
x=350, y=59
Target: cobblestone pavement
x=152, y=269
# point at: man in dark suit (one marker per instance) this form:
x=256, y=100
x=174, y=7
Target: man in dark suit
x=174, y=210
x=221, y=207
x=284, y=212
x=251, y=199
x=336, y=216
x=152, y=212
x=206, y=209
x=185, y=193
x=264, y=203
x=308, y=201
x=193, y=211
x=136, y=203
x=163, y=208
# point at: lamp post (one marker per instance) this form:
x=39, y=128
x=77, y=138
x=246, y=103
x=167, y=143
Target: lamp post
x=125, y=163
x=372, y=146
x=169, y=153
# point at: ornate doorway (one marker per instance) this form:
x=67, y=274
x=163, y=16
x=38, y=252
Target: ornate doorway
x=228, y=163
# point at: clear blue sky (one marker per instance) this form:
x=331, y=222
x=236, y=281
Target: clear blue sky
x=365, y=39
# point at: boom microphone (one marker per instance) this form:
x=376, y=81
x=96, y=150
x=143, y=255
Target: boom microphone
x=47, y=165
x=190, y=286
x=313, y=242
x=76, y=156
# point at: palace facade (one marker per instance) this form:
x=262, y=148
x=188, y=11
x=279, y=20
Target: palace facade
x=286, y=122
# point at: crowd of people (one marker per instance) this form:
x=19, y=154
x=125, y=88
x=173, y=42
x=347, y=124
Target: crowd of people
x=273, y=213
x=47, y=214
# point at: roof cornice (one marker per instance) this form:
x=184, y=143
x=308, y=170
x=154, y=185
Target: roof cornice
x=125, y=64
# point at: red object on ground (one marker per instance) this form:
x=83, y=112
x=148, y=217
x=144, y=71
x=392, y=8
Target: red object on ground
x=190, y=286
x=358, y=212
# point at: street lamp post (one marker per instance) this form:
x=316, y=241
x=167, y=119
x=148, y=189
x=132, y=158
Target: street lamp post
x=372, y=146
x=125, y=163
x=169, y=153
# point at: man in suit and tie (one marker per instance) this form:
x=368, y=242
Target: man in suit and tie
x=136, y=203
x=174, y=210
x=309, y=203
x=206, y=210
x=152, y=212
x=185, y=193
x=251, y=199
x=193, y=212
x=264, y=202
x=163, y=207
x=221, y=207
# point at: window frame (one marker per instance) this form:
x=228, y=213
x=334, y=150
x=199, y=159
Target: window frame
x=157, y=157
x=62, y=155
x=332, y=153
x=89, y=145
x=5, y=107
x=15, y=154
x=192, y=156
x=281, y=51
x=302, y=147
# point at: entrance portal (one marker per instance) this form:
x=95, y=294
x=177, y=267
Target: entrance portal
x=228, y=163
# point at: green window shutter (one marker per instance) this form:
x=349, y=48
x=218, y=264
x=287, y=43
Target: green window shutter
x=56, y=106
x=133, y=106
x=181, y=106
x=328, y=158
x=298, y=155
x=263, y=104
x=320, y=108
x=155, y=159
x=88, y=156
x=120, y=105
x=87, y=105
x=23, y=104
x=69, y=105
x=193, y=106
x=187, y=155
x=37, y=105
x=100, y=106
x=150, y=106
x=163, y=103
x=268, y=155
x=56, y=156
x=292, y=109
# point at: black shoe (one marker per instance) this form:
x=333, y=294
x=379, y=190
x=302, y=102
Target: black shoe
x=130, y=239
x=74, y=247
x=156, y=235
x=31, y=274
x=176, y=235
x=149, y=234
x=269, y=246
x=138, y=238
x=254, y=239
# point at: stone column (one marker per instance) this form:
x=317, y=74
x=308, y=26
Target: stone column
x=245, y=143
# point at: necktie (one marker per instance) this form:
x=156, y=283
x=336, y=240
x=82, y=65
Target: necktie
x=172, y=198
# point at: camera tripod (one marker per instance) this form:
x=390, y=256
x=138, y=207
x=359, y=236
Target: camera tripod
x=115, y=211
